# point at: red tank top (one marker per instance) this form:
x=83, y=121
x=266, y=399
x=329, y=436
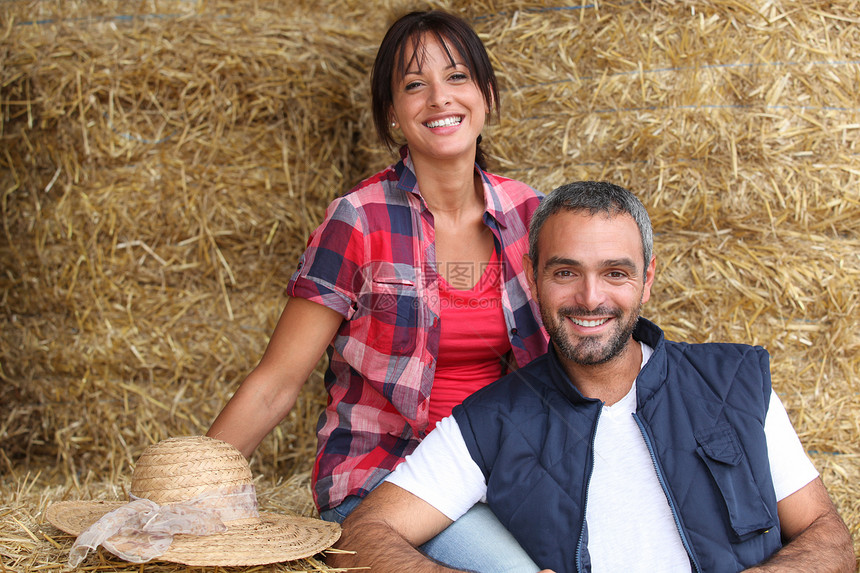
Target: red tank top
x=474, y=339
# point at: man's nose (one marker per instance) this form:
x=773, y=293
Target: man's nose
x=589, y=293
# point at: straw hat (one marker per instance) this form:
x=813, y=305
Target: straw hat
x=193, y=502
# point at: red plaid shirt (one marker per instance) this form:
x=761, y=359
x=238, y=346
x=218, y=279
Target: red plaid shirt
x=373, y=260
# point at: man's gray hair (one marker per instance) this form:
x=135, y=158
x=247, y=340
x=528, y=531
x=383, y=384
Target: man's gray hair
x=593, y=197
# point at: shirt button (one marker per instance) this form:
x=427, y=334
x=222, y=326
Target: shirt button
x=514, y=331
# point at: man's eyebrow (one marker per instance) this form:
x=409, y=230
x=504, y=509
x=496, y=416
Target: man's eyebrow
x=625, y=262
x=562, y=262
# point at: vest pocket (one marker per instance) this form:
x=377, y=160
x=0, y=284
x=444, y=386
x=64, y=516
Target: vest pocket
x=720, y=449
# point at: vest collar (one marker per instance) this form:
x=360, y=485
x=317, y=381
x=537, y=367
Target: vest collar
x=561, y=380
x=654, y=374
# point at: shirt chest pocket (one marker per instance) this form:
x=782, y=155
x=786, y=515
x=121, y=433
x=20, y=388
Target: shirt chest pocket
x=389, y=304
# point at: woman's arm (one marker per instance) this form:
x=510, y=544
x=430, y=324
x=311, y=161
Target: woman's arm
x=269, y=392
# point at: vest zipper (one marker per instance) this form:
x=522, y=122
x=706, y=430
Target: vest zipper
x=579, y=567
x=661, y=479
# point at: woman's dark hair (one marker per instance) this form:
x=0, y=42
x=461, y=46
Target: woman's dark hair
x=406, y=37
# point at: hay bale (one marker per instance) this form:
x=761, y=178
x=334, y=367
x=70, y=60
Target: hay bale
x=163, y=174
x=737, y=126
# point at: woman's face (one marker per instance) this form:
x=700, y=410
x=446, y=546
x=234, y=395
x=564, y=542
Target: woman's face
x=438, y=106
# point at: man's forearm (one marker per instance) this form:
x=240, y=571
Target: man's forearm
x=382, y=549
x=824, y=547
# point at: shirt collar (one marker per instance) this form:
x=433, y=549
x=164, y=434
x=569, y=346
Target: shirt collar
x=408, y=182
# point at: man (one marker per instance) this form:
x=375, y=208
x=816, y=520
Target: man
x=617, y=450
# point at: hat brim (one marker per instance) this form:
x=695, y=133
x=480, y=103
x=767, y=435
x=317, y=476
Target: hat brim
x=272, y=538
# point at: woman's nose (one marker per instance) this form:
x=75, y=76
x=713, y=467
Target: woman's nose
x=439, y=95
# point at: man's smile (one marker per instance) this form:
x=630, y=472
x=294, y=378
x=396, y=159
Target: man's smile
x=588, y=323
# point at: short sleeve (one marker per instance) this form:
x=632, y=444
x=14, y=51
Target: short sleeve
x=790, y=467
x=329, y=271
x=441, y=472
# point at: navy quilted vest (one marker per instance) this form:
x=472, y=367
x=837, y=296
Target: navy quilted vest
x=701, y=409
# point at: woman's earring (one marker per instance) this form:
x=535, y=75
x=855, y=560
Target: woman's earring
x=393, y=124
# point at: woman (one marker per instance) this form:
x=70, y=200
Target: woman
x=413, y=282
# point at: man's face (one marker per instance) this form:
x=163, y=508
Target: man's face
x=590, y=283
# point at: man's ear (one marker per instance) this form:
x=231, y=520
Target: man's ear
x=529, y=269
x=649, y=279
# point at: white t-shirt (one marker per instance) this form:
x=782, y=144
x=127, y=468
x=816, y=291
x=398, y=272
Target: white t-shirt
x=627, y=512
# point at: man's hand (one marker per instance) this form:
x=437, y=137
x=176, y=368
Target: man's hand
x=384, y=530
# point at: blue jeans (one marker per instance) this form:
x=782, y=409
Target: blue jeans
x=475, y=542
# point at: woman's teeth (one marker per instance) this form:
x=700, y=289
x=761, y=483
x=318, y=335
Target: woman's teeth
x=448, y=121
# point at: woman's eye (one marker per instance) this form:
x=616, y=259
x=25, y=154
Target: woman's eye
x=459, y=77
x=412, y=85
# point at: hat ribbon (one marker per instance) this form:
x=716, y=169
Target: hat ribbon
x=147, y=529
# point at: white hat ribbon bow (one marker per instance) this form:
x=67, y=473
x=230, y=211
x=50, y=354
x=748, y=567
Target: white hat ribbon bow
x=148, y=529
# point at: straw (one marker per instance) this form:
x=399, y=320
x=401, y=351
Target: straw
x=163, y=164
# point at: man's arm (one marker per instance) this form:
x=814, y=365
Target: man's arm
x=817, y=539
x=385, y=529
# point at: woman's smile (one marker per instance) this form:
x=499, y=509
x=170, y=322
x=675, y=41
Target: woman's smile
x=437, y=105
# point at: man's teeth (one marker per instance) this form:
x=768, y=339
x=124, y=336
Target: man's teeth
x=444, y=122
x=588, y=323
